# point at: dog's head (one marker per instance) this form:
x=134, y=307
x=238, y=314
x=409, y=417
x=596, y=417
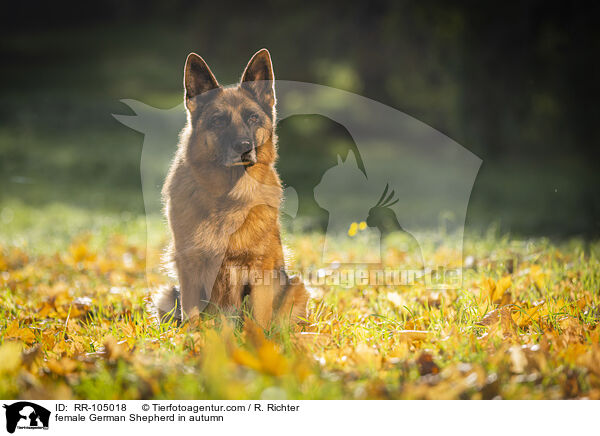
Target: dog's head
x=230, y=126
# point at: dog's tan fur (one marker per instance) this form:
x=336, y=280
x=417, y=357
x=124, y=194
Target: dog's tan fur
x=224, y=217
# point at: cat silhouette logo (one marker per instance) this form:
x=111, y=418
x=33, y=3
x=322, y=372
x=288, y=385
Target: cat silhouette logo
x=26, y=415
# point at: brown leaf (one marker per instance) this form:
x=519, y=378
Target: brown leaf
x=489, y=318
x=509, y=328
x=571, y=327
x=113, y=350
x=427, y=365
x=29, y=356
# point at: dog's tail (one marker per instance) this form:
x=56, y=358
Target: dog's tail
x=166, y=304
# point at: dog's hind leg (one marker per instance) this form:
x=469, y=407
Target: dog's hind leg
x=291, y=303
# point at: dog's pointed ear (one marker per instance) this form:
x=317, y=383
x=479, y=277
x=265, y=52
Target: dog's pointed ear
x=197, y=79
x=258, y=78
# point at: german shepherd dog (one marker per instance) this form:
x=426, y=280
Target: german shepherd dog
x=222, y=197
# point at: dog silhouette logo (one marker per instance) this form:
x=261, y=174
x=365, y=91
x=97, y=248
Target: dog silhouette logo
x=408, y=183
x=26, y=415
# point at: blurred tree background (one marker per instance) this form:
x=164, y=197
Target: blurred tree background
x=517, y=84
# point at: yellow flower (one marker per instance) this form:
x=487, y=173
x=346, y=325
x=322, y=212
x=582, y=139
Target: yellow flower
x=362, y=225
x=352, y=230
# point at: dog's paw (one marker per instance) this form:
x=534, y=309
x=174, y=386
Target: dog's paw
x=166, y=304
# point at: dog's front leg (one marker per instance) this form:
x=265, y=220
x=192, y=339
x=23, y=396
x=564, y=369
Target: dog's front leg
x=197, y=280
x=261, y=302
x=192, y=294
x=262, y=293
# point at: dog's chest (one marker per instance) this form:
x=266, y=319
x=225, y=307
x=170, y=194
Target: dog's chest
x=211, y=224
x=211, y=234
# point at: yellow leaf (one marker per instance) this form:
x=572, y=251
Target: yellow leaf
x=272, y=362
x=503, y=284
x=63, y=366
x=412, y=335
x=367, y=356
x=45, y=310
x=79, y=251
x=400, y=352
x=216, y=364
x=14, y=331
x=538, y=276
x=10, y=357
x=245, y=358
x=26, y=334
x=530, y=315
x=495, y=290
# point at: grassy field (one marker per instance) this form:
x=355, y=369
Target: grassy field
x=74, y=324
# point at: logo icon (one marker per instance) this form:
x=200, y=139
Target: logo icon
x=26, y=415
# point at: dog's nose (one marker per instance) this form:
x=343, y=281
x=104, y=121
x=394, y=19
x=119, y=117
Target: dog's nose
x=242, y=146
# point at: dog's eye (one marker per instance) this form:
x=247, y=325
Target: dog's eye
x=218, y=121
x=253, y=118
